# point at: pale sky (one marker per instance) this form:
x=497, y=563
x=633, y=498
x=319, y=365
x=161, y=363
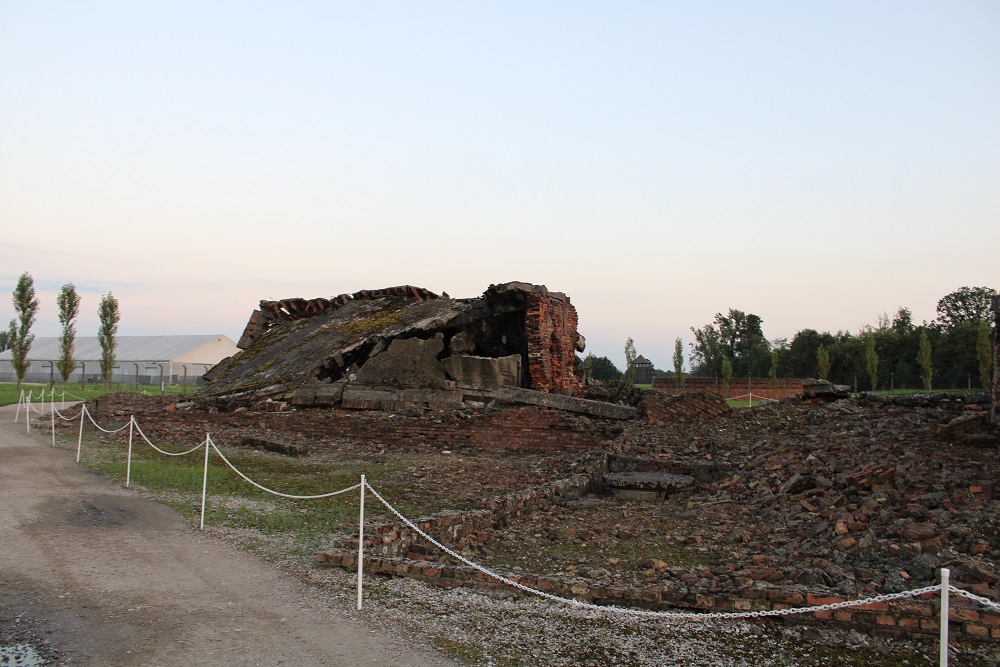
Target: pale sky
x=815, y=163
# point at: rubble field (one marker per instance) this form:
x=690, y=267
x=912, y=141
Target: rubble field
x=853, y=497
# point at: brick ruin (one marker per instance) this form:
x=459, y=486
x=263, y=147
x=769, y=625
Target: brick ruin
x=503, y=369
x=403, y=346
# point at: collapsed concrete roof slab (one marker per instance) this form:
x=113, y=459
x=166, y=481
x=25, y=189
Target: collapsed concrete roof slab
x=404, y=338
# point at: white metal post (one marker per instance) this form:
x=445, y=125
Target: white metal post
x=20, y=401
x=361, y=538
x=52, y=416
x=128, y=465
x=79, y=439
x=204, y=480
x=945, y=599
x=27, y=413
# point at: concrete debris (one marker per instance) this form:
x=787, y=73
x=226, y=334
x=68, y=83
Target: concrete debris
x=402, y=346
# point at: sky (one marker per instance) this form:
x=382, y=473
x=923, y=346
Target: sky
x=815, y=163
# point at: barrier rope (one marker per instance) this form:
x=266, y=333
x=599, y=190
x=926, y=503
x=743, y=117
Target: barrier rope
x=98, y=426
x=645, y=612
x=148, y=442
x=981, y=600
x=272, y=491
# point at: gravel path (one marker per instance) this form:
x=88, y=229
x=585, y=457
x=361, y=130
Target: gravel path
x=93, y=575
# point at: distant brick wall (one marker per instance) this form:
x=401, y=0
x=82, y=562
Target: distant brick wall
x=551, y=329
x=527, y=428
x=737, y=386
x=685, y=409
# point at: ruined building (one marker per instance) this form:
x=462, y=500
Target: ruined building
x=403, y=346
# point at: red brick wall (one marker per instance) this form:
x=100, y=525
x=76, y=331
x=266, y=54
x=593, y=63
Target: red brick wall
x=528, y=428
x=551, y=328
x=737, y=386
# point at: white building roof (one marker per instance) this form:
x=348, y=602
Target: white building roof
x=133, y=348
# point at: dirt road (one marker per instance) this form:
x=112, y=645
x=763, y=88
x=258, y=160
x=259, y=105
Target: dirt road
x=108, y=578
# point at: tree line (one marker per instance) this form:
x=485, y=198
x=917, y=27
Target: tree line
x=955, y=350
x=18, y=337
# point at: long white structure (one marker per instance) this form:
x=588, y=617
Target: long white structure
x=139, y=359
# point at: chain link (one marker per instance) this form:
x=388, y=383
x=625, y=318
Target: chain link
x=981, y=600
x=208, y=441
x=645, y=612
x=148, y=442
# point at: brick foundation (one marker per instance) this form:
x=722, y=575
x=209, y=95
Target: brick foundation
x=759, y=387
x=913, y=617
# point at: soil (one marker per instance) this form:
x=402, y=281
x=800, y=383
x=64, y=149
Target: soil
x=94, y=575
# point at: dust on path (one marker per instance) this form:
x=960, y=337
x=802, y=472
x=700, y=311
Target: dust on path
x=109, y=578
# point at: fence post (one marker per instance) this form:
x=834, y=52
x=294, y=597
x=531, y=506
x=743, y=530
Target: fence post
x=945, y=595
x=20, y=401
x=204, y=480
x=52, y=416
x=27, y=413
x=361, y=538
x=79, y=440
x=128, y=465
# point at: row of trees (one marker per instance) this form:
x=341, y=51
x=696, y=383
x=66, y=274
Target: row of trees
x=18, y=337
x=947, y=352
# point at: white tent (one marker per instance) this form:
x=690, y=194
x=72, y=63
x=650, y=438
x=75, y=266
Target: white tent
x=139, y=359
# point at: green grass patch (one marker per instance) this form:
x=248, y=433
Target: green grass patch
x=10, y=395
x=301, y=526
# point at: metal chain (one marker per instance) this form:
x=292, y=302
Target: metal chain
x=644, y=612
x=986, y=601
x=98, y=426
x=193, y=449
x=208, y=440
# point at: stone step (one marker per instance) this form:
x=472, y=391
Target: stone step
x=647, y=485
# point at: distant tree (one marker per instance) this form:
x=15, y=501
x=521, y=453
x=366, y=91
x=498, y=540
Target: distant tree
x=871, y=360
x=823, y=361
x=924, y=361
x=727, y=373
x=902, y=323
x=966, y=304
x=773, y=373
x=679, y=363
x=69, y=307
x=19, y=336
x=603, y=369
x=107, y=334
x=984, y=351
x=4, y=337
x=630, y=356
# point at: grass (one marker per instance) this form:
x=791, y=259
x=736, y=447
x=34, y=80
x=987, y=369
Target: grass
x=10, y=395
x=236, y=506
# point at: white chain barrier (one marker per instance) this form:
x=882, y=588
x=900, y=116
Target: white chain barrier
x=645, y=612
x=272, y=491
x=166, y=453
x=995, y=606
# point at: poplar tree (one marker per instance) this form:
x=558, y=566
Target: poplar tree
x=107, y=334
x=773, y=373
x=823, y=361
x=630, y=356
x=69, y=307
x=727, y=372
x=679, y=363
x=19, y=336
x=924, y=359
x=871, y=360
x=984, y=351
